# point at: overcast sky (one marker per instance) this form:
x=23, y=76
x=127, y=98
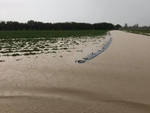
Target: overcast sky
x=92, y=11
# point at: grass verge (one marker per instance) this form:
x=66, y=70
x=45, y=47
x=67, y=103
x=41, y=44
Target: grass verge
x=142, y=32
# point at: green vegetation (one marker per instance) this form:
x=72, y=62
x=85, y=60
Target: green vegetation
x=36, y=25
x=50, y=34
x=140, y=31
x=17, y=43
x=143, y=30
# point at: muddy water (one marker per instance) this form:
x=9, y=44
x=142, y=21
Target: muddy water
x=117, y=81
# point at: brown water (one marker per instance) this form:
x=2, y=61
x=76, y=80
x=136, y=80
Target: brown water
x=117, y=81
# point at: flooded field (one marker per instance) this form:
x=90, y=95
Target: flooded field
x=53, y=82
x=55, y=47
x=24, y=43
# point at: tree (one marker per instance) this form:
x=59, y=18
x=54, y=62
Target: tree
x=35, y=25
x=118, y=26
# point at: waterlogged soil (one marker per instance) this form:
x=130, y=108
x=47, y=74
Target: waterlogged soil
x=117, y=81
x=25, y=47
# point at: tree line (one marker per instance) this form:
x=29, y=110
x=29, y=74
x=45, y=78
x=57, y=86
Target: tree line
x=135, y=27
x=35, y=25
